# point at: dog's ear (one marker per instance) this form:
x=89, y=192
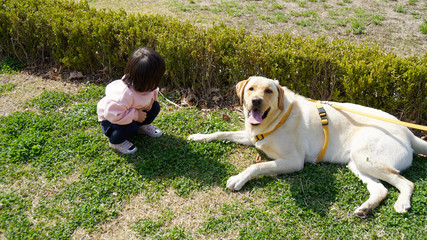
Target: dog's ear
x=281, y=100
x=240, y=87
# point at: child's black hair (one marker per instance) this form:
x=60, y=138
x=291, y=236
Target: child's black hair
x=144, y=70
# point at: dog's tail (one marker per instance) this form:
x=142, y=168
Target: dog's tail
x=419, y=145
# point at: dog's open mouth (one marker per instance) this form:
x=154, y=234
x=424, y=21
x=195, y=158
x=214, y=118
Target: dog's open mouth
x=255, y=116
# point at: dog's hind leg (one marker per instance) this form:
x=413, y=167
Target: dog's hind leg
x=376, y=190
x=378, y=170
x=381, y=156
x=405, y=187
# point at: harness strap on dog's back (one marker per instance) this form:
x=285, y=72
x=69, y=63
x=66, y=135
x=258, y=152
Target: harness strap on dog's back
x=283, y=120
x=325, y=123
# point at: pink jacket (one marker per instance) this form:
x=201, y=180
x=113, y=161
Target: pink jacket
x=120, y=104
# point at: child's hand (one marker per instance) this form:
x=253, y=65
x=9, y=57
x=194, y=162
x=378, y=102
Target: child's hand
x=141, y=115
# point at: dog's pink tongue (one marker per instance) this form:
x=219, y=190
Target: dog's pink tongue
x=255, y=117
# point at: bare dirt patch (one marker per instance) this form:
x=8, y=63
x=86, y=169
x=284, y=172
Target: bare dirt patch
x=26, y=87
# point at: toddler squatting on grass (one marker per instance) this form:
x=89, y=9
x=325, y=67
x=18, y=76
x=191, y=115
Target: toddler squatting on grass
x=130, y=104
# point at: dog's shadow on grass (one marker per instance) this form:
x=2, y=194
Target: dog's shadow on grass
x=314, y=188
x=319, y=186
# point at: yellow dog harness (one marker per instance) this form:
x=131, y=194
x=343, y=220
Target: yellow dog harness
x=323, y=117
x=325, y=123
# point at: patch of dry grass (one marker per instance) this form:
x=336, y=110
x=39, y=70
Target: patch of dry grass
x=188, y=213
x=27, y=87
x=390, y=29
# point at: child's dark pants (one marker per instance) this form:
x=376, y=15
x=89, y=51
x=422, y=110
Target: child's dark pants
x=120, y=133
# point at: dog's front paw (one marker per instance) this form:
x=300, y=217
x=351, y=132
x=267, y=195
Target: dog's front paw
x=402, y=206
x=197, y=137
x=363, y=212
x=235, y=183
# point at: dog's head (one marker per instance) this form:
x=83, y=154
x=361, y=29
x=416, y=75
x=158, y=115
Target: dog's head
x=260, y=97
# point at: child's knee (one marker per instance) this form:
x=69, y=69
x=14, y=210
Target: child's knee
x=155, y=108
x=121, y=133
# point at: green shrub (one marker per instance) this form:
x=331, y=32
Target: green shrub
x=10, y=65
x=81, y=38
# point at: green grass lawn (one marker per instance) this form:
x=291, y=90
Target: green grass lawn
x=58, y=178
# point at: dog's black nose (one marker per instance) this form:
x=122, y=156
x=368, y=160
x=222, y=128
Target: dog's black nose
x=256, y=102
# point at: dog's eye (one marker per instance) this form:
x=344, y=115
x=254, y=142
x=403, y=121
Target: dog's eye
x=268, y=91
x=251, y=89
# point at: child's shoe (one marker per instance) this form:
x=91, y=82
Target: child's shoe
x=125, y=147
x=150, y=130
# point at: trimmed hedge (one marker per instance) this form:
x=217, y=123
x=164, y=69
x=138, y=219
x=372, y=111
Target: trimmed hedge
x=81, y=38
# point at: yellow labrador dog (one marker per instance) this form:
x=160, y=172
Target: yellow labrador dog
x=374, y=150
